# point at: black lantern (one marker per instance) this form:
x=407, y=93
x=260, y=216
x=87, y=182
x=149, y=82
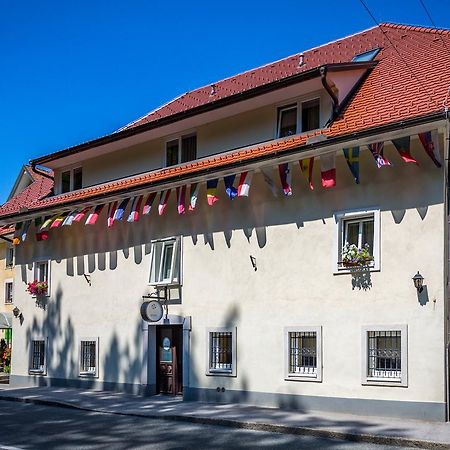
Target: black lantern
x=418, y=281
x=16, y=311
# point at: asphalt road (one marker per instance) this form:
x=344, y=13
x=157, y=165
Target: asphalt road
x=27, y=426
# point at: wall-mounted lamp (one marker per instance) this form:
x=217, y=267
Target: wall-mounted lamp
x=16, y=311
x=418, y=281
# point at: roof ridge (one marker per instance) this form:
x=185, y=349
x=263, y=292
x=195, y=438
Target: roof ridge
x=420, y=28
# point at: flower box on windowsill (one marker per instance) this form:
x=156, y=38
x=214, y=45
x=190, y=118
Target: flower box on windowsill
x=38, y=289
x=366, y=262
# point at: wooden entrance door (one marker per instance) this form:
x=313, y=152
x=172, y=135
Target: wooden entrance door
x=169, y=359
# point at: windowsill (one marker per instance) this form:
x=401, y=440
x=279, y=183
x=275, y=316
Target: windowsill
x=166, y=284
x=87, y=375
x=220, y=373
x=303, y=377
x=361, y=269
x=9, y=303
x=36, y=372
x=393, y=382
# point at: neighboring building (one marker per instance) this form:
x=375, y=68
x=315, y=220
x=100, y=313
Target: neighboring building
x=28, y=188
x=265, y=304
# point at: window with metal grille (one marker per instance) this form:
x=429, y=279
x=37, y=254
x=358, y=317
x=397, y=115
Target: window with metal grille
x=9, y=291
x=221, y=351
x=303, y=353
x=88, y=357
x=303, y=358
x=384, y=354
x=38, y=360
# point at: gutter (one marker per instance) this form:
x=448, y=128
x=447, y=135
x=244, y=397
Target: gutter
x=221, y=102
x=96, y=199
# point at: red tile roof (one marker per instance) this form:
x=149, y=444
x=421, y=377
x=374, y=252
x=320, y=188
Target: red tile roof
x=29, y=198
x=411, y=80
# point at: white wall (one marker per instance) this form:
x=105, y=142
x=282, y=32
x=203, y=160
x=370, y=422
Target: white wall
x=293, y=242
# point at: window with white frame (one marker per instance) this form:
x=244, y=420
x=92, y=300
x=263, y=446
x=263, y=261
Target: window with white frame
x=38, y=359
x=9, y=257
x=221, y=355
x=298, y=117
x=9, y=286
x=166, y=262
x=385, y=355
x=42, y=273
x=71, y=180
x=89, y=357
x=180, y=150
x=303, y=353
x=357, y=240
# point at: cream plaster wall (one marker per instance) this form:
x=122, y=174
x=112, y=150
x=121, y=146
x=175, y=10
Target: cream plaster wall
x=6, y=273
x=293, y=242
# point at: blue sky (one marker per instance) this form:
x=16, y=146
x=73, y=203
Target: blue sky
x=74, y=71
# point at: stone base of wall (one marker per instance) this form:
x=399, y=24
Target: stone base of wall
x=386, y=408
x=82, y=383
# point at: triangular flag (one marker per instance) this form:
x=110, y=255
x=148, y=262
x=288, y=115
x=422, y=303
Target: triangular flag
x=352, y=157
x=135, y=208
x=193, y=196
x=328, y=170
x=403, y=147
x=285, y=178
x=25, y=228
x=245, y=182
x=306, y=166
x=17, y=233
x=93, y=216
x=148, y=203
x=120, y=211
x=229, y=188
x=163, y=201
x=47, y=222
x=57, y=222
x=430, y=142
x=377, y=151
x=111, y=210
x=69, y=218
x=181, y=199
x=268, y=178
x=211, y=191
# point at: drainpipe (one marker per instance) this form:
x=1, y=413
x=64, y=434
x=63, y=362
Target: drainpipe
x=334, y=99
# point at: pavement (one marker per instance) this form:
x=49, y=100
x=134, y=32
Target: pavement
x=370, y=429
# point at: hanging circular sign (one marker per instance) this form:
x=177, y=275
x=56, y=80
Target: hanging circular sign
x=152, y=311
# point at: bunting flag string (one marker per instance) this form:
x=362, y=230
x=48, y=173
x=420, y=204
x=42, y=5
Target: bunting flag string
x=285, y=178
x=403, y=147
x=245, y=182
x=268, y=178
x=193, y=196
x=229, y=186
x=430, y=143
x=93, y=216
x=135, y=208
x=328, y=170
x=306, y=166
x=377, y=151
x=351, y=155
x=111, y=211
x=164, y=198
x=211, y=191
x=181, y=199
x=148, y=203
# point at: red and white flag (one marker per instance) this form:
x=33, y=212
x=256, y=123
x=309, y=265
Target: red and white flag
x=163, y=201
x=135, y=208
x=430, y=143
x=245, y=182
x=181, y=199
x=111, y=211
x=93, y=216
x=328, y=170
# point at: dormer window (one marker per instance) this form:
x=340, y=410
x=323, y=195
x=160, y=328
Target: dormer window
x=366, y=56
x=71, y=180
x=180, y=150
x=298, y=118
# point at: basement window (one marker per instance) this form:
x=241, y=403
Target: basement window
x=366, y=56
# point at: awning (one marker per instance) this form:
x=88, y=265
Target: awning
x=5, y=320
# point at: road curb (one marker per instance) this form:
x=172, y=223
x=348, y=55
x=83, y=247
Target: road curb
x=247, y=425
